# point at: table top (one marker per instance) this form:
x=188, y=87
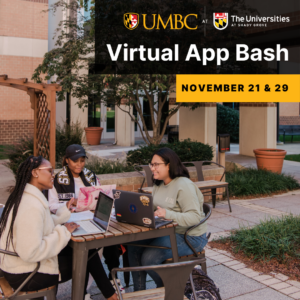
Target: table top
x=200, y=184
x=116, y=229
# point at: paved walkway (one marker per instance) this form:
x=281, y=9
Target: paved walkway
x=234, y=279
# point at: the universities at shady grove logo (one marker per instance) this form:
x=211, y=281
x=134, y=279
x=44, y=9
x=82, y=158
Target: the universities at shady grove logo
x=220, y=20
x=131, y=20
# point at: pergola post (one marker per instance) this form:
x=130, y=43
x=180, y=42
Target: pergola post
x=43, y=102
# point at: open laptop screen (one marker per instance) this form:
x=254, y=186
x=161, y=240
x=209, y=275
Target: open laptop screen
x=103, y=210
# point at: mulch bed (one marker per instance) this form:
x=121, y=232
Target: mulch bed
x=291, y=267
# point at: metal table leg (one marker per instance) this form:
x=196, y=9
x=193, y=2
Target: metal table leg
x=214, y=197
x=174, y=247
x=80, y=258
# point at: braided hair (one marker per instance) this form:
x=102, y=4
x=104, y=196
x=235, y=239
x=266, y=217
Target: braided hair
x=13, y=202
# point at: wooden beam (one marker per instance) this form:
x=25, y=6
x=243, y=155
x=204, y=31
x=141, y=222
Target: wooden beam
x=16, y=86
x=4, y=76
x=32, y=95
x=33, y=85
x=52, y=100
x=34, y=104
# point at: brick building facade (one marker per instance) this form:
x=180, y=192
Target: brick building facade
x=23, y=43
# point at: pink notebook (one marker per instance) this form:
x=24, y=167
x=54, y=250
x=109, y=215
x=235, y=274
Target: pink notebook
x=88, y=196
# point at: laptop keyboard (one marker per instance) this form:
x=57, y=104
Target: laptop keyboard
x=88, y=226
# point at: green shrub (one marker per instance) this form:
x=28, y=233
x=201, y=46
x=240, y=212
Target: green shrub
x=245, y=182
x=187, y=150
x=293, y=157
x=228, y=122
x=274, y=238
x=67, y=135
x=17, y=153
x=108, y=167
x=3, y=150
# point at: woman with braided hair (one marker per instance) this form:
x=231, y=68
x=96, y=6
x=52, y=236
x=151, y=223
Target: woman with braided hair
x=28, y=228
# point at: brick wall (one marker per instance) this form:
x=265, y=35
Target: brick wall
x=14, y=130
x=25, y=19
x=289, y=109
x=258, y=104
x=38, y=1
x=21, y=19
x=15, y=104
x=172, y=101
x=289, y=120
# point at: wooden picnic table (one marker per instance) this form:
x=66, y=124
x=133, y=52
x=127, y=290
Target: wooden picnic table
x=118, y=233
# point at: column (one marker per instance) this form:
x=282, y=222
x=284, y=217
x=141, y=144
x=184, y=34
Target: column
x=199, y=125
x=124, y=125
x=257, y=127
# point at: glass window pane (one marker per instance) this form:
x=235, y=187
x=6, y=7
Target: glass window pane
x=94, y=113
x=110, y=118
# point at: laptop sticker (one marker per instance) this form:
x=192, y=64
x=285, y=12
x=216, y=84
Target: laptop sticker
x=147, y=221
x=145, y=200
x=132, y=208
x=117, y=194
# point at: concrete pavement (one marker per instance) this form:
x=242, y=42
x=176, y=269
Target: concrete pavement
x=234, y=279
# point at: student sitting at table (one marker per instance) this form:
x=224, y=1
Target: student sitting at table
x=28, y=228
x=177, y=198
x=66, y=187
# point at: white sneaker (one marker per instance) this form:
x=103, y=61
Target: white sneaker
x=120, y=286
x=87, y=297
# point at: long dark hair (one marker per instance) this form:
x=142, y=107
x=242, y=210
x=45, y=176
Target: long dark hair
x=176, y=168
x=64, y=162
x=14, y=200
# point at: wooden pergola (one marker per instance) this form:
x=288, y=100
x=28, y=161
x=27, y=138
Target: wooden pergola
x=42, y=98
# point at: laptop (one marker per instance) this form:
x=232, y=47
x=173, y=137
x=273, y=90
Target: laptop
x=136, y=208
x=100, y=221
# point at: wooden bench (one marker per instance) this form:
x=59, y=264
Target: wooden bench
x=202, y=185
x=157, y=294
x=289, y=130
x=7, y=291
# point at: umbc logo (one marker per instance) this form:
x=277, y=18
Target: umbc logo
x=220, y=20
x=131, y=20
x=174, y=21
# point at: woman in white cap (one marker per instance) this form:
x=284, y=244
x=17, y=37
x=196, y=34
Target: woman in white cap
x=67, y=184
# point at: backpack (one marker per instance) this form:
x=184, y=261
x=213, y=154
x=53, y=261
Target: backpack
x=204, y=286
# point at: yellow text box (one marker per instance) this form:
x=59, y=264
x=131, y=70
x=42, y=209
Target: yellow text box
x=238, y=88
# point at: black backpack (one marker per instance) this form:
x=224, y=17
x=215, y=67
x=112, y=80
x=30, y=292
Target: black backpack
x=204, y=286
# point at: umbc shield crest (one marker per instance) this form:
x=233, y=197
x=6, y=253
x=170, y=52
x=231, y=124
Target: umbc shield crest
x=131, y=20
x=221, y=20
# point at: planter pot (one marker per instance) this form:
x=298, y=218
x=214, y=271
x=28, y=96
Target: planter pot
x=93, y=135
x=270, y=159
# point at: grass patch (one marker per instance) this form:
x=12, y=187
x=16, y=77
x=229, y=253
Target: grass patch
x=293, y=157
x=3, y=151
x=271, y=246
x=275, y=238
x=246, y=182
x=296, y=138
x=108, y=167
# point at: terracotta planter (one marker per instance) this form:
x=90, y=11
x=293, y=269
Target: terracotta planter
x=270, y=159
x=93, y=135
